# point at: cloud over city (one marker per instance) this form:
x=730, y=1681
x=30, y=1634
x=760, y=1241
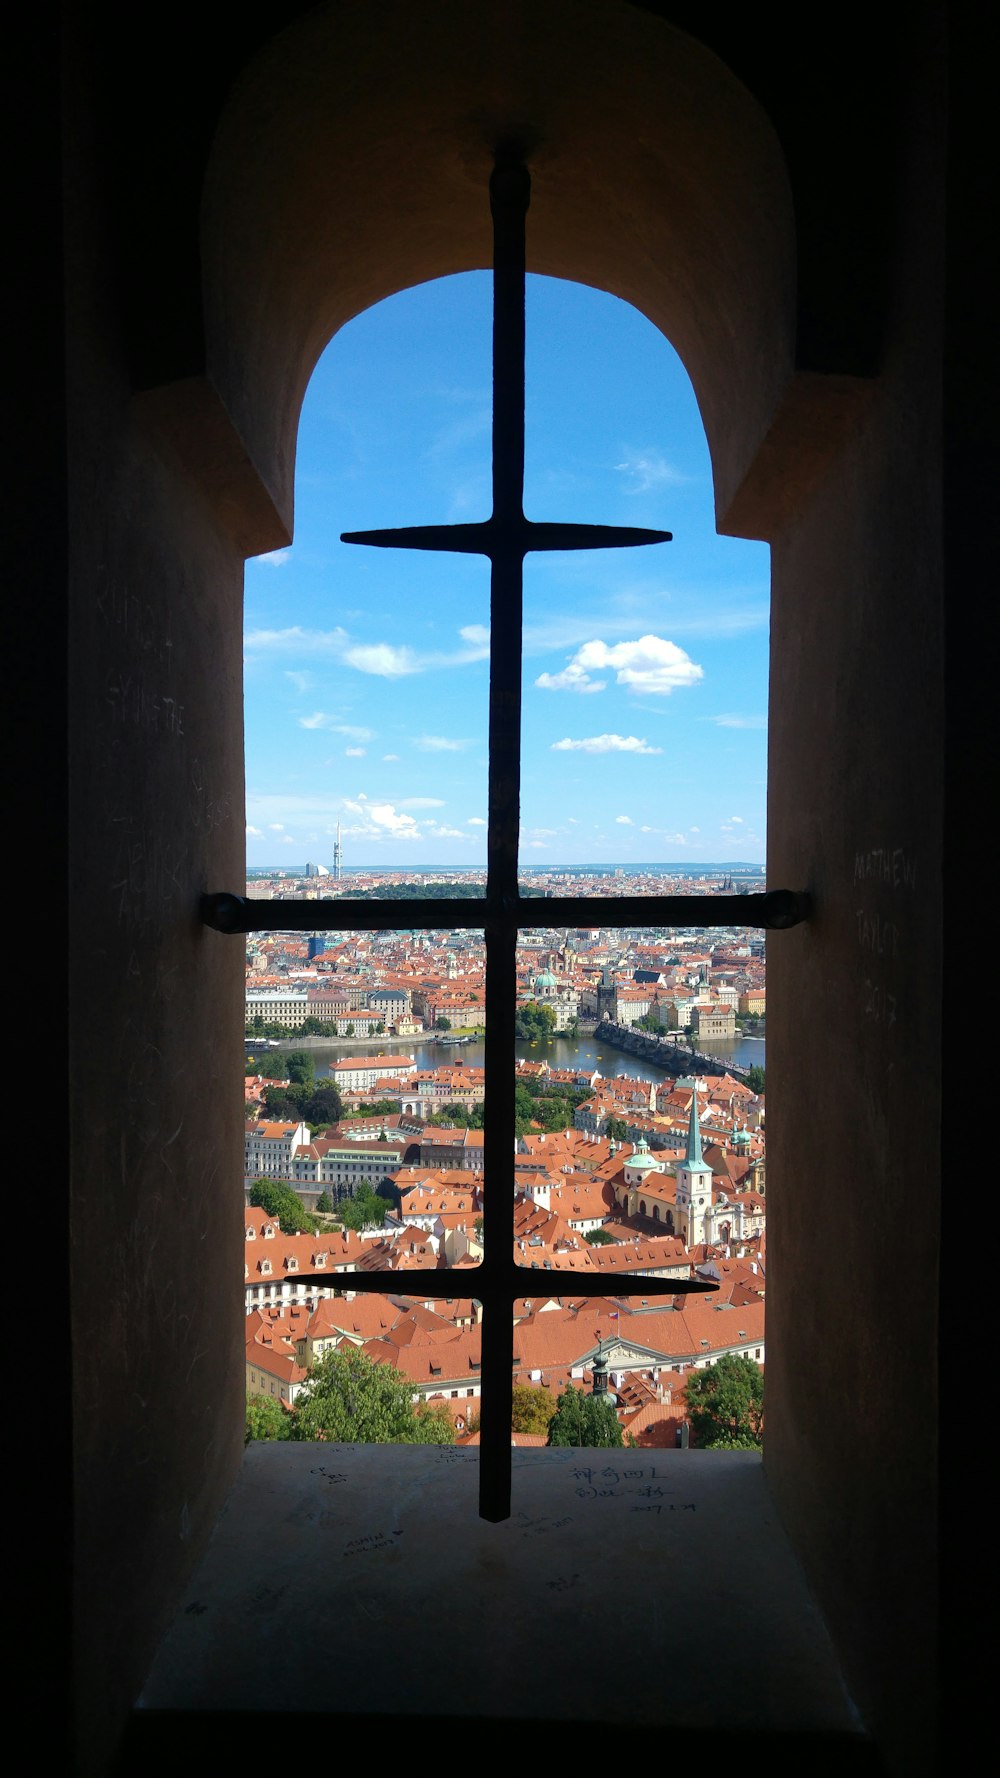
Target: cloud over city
x=648, y=469
x=381, y=660
x=605, y=744
x=648, y=667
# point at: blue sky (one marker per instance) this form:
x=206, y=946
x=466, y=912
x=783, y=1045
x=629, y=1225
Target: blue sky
x=645, y=671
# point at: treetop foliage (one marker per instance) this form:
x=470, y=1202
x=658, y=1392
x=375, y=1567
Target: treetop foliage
x=726, y=1404
x=266, y=1419
x=531, y=1408
x=279, y=1202
x=534, y=1021
x=367, y=1209
x=351, y=1397
x=582, y=1419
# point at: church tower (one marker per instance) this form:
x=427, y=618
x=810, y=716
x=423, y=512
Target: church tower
x=694, y=1185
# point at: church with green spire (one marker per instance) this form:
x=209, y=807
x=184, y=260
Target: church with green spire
x=693, y=1217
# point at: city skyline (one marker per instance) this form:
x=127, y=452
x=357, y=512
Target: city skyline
x=645, y=681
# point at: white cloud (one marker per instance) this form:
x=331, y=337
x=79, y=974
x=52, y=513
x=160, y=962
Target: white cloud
x=694, y=830
x=386, y=815
x=733, y=721
x=448, y=833
x=253, y=832
x=390, y=758
x=421, y=802
x=475, y=821
x=738, y=819
x=624, y=821
x=295, y=640
x=354, y=752
x=649, y=469
x=440, y=744
x=301, y=681
x=572, y=678
x=605, y=744
x=276, y=826
x=693, y=613
x=650, y=667
x=385, y=660
x=275, y=558
x=382, y=659
x=320, y=720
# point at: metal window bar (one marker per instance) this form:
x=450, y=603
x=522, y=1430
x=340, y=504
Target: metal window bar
x=506, y=537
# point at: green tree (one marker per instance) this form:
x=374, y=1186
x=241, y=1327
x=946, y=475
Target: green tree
x=726, y=1404
x=324, y=1105
x=524, y=1109
x=272, y=1065
x=350, y=1030
x=324, y=1204
x=554, y=1112
x=599, y=1238
x=301, y=1068
x=441, y=1023
x=755, y=1079
x=349, y=1396
x=436, y=1424
x=616, y=1129
x=280, y=1106
x=366, y=1210
x=582, y=1419
x=279, y=1202
x=533, y=1021
x=266, y=1418
x=531, y=1408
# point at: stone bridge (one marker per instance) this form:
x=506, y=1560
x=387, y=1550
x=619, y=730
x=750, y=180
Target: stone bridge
x=666, y=1052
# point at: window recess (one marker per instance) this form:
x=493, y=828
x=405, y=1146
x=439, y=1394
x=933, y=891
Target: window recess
x=506, y=537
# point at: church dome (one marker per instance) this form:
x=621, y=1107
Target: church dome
x=545, y=979
x=641, y=1160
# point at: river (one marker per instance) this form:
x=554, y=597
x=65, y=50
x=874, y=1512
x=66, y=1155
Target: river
x=560, y=1052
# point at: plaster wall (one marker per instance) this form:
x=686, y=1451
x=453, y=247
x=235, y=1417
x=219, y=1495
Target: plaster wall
x=156, y=1203
x=855, y=816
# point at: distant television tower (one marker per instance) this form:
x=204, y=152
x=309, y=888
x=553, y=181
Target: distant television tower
x=338, y=856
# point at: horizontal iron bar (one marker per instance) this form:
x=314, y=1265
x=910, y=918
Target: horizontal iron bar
x=775, y=910
x=513, y=533
x=505, y=1283
x=238, y=913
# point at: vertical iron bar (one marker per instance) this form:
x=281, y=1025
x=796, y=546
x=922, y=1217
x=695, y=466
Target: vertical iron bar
x=498, y=1224
x=509, y=193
